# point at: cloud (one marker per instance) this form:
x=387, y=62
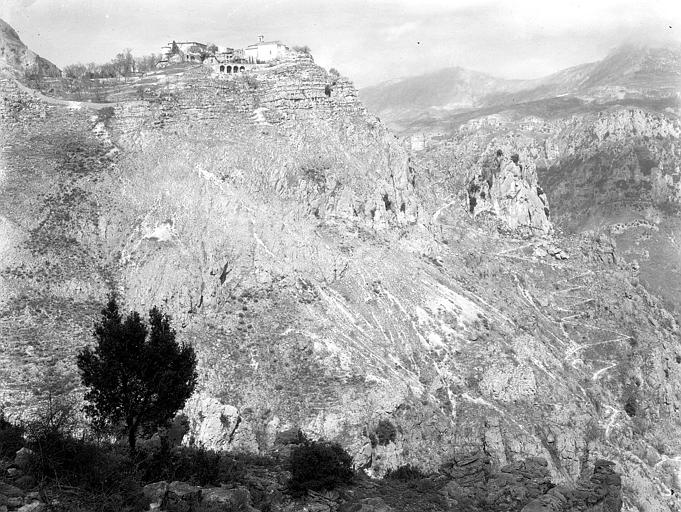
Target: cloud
x=397, y=31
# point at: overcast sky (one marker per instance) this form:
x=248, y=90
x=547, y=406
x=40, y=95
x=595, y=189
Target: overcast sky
x=368, y=40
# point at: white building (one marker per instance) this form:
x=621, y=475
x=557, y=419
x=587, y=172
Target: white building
x=264, y=51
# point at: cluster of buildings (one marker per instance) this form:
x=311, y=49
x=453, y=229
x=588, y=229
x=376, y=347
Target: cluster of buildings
x=223, y=60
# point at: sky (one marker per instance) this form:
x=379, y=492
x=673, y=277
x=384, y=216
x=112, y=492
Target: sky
x=370, y=41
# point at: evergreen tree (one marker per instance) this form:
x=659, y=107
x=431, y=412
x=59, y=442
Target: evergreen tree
x=136, y=376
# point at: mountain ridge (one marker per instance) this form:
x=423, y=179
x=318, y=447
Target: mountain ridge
x=630, y=71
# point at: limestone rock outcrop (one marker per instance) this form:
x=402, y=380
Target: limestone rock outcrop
x=509, y=189
x=602, y=492
x=15, y=55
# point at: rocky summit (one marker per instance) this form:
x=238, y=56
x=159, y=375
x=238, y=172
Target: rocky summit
x=470, y=308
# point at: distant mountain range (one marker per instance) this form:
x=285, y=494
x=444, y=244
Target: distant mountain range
x=442, y=100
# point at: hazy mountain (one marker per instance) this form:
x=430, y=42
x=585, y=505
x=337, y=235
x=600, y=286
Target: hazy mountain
x=441, y=101
x=449, y=90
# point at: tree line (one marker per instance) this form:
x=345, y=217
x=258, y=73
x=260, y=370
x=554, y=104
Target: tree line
x=124, y=64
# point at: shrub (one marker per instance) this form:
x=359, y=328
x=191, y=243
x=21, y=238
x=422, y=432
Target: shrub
x=231, y=469
x=11, y=437
x=196, y=465
x=318, y=465
x=250, y=80
x=188, y=464
x=630, y=406
x=405, y=473
x=385, y=432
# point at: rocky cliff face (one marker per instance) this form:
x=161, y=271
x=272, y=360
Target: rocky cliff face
x=509, y=189
x=332, y=283
x=16, y=56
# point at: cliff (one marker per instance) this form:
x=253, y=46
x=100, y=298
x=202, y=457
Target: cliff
x=16, y=56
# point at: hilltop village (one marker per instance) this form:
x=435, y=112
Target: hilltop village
x=224, y=59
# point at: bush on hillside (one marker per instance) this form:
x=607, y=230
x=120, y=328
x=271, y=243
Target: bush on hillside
x=405, y=473
x=11, y=437
x=197, y=466
x=385, y=432
x=319, y=465
x=103, y=474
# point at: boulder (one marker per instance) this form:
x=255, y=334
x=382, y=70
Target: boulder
x=237, y=498
x=156, y=492
x=540, y=252
x=11, y=491
x=22, y=459
x=552, y=501
x=367, y=505
x=469, y=470
x=182, y=497
x=36, y=506
x=15, y=502
x=286, y=437
x=317, y=506
x=14, y=472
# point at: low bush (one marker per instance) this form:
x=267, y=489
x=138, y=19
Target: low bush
x=319, y=465
x=405, y=473
x=385, y=432
x=187, y=464
x=103, y=474
x=197, y=465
